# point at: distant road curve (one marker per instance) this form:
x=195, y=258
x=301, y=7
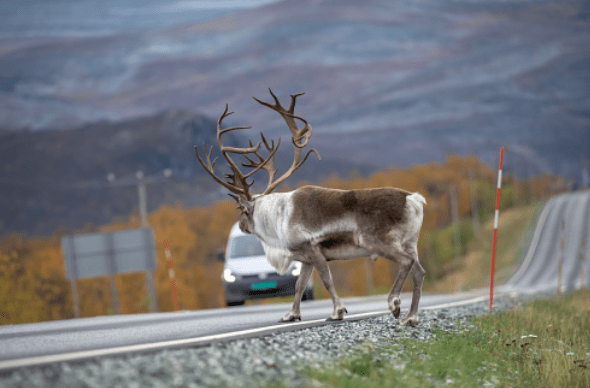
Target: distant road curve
x=539, y=269
x=48, y=342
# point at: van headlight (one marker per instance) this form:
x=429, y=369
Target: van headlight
x=228, y=276
x=297, y=269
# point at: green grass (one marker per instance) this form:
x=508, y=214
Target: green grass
x=472, y=270
x=546, y=343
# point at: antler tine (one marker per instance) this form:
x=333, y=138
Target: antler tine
x=307, y=154
x=209, y=168
x=289, y=116
x=237, y=199
x=293, y=100
x=266, y=164
x=300, y=138
x=270, y=147
x=296, y=164
x=238, y=182
x=220, y=132
x=277, y=103
x=223, y=115
x=304, y=132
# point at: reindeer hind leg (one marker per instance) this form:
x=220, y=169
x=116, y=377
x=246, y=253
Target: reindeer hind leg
x=418, y=273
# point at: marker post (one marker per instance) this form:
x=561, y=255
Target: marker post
x=171, y=274
x=496, y=215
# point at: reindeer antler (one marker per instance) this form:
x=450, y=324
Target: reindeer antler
x=300, y=138
x=238, y=183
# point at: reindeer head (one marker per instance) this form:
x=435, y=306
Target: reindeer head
x=237, y=182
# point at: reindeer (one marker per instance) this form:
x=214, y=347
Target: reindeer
x=315, y=225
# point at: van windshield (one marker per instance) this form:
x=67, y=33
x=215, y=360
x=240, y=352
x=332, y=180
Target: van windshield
x=243, y=246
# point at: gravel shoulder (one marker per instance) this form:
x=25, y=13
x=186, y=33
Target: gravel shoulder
x=251, y=362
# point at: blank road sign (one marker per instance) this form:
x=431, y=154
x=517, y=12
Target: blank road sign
x=100, y=254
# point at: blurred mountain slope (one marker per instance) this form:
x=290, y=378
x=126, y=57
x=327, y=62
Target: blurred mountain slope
x=57, y=178
x=425, y=77
x=387, y=83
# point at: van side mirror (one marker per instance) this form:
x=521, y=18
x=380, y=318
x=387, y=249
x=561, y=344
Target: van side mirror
x=220, y=256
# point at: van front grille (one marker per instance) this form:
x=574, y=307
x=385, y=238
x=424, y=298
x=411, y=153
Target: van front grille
x=256, y=277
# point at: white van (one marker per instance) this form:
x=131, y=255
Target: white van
x=247, y=274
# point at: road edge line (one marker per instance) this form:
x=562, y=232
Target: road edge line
x=202, y=341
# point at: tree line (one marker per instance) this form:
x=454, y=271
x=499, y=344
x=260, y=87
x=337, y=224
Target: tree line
x=33, y=286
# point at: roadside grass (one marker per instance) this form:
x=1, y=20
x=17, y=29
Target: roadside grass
x=472, y=270
x=545, y=343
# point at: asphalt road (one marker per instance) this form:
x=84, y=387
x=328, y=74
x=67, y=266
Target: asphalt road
x=539, y=269
x=74, y=335
x=36, y=343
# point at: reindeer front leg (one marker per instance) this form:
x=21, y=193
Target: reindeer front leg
x=295, y=313
x=321, y=265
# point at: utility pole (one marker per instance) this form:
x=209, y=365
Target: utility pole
x=141, y=192
x=113, y=270
x=141, y=181
x=142, y=198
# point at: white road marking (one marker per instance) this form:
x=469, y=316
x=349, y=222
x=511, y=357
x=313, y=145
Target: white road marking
x=52, y=358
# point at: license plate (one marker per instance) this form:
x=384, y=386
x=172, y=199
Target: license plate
x=264, y=285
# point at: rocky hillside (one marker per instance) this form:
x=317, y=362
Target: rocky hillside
x=57, y=178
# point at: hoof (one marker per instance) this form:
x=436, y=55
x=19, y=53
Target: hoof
x=290, y=318
x=396, y=310
x=339, y=315
x=410, y=321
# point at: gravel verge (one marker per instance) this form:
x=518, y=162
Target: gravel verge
x=253, y=362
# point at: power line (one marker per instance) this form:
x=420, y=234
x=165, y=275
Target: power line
x=91, y=184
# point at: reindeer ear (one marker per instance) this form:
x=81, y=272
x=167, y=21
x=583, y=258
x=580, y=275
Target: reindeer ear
x=247, y=206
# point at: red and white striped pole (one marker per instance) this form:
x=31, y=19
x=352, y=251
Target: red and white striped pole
x=171, y=274
x=496, y=215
